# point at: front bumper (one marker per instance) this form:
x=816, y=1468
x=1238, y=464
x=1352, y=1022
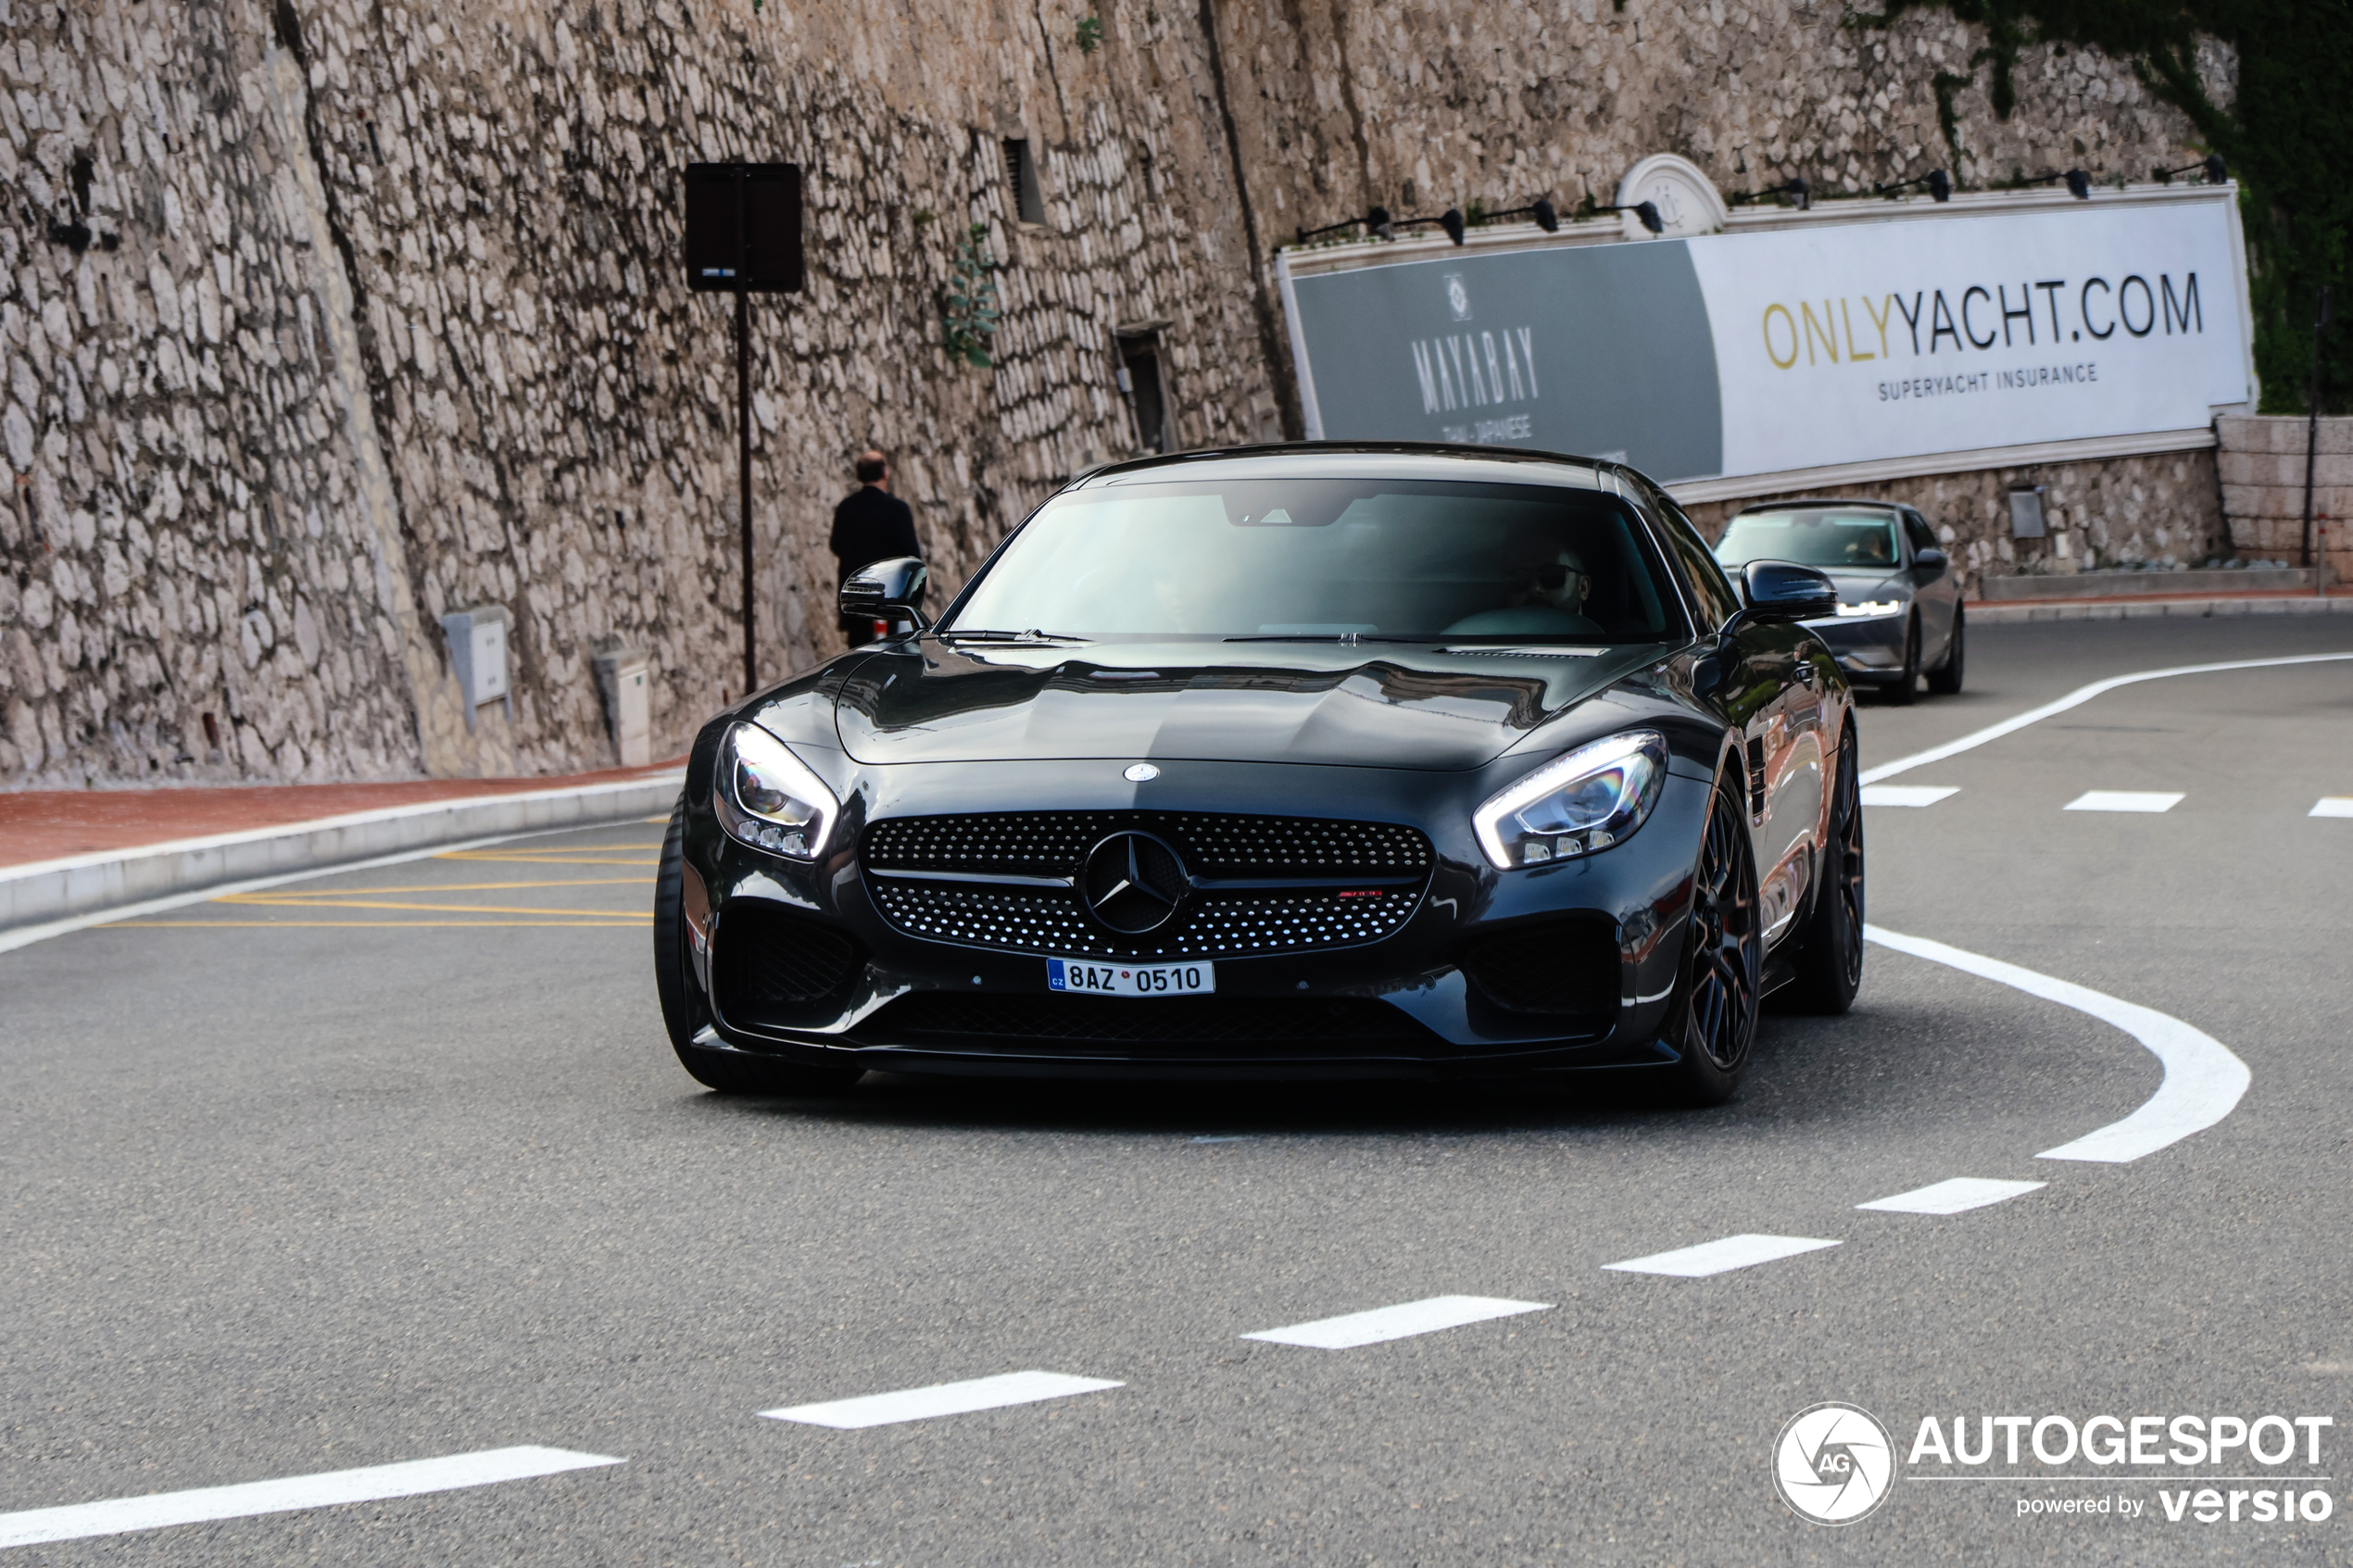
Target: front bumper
x=1431, y=997
x=1869, y=649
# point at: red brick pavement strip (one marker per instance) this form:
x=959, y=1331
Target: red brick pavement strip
x=52, y=824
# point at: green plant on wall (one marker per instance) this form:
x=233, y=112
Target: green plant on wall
x=2287, y=136
x=968, y=304
x=1091, y=34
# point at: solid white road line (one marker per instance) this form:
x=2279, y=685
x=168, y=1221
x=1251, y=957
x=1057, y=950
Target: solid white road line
x=1906, y=795
x=941, y=1399
x=1396, y=1323
x=1719, y=1256
x=2123, y=800
x=2203, y=1080
x=2333, y=806
x=1954, y=1196
x=2075, y=698
x=373, y=1484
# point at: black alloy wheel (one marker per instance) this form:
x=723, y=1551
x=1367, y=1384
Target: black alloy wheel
x=1713, y=1024
x=1829, y=954
x=686, y=1010
x=1945, y=679
x=1907, y=685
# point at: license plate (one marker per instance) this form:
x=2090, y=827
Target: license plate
x=1081, y=978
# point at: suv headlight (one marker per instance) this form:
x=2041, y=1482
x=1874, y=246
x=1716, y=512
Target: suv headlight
x=769, y=798
x=1575, y=805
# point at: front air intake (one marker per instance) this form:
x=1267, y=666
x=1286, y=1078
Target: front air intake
x=771, y=964
x=1557, y=969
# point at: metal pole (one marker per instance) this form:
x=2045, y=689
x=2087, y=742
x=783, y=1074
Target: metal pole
x=2312, y=426
x=743, y=473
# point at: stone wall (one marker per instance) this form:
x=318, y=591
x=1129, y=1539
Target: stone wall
x=1423, y=104
x=322, y=318
x=2162, y=510
x=2263, y=462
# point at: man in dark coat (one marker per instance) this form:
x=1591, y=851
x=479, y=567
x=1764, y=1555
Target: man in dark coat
x=872, y=525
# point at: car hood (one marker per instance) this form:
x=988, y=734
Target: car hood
x=1874, y=583
x=1397, y=707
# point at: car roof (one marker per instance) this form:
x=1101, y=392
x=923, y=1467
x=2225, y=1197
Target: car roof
x=1823, y=501
x=1363, y=459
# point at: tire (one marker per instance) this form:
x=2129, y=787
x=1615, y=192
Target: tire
x=1906, y=688
x=1945, y=679
x=1829, y=956
x=685, y=1012
x=1712, y=1021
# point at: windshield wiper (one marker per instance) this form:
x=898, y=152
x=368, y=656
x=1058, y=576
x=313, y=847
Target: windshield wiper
x=1033, y=635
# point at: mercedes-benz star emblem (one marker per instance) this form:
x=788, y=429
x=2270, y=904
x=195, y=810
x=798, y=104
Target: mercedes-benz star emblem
x=1133, y=883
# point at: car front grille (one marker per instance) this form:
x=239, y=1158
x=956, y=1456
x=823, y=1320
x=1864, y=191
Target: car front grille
x=1262, y=884
x=1052, y=843
x=770, y=965
x=1171, y=1028
x=1560, y=968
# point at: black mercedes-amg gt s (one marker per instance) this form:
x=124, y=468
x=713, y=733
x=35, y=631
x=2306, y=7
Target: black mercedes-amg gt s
x=1310, y=760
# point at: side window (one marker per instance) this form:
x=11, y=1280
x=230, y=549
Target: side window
x=1717, y=601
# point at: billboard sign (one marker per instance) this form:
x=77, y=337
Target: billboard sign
x=1808, y=345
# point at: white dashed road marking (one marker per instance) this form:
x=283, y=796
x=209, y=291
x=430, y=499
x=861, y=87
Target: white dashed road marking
x=2203, y=1080
x=2333, y=806
x=377, y=1482
x=1906, y=795
x=1954, y=1196
x=942, y=1398
x=2123, y=800
x=1720, y=1257
x=1396, y=1323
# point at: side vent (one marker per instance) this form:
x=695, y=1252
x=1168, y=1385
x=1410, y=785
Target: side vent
x=1756, y=777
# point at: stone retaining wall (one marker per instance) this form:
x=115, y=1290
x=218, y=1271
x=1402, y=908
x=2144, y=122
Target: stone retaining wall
x=321, y=318
x=2262, y=462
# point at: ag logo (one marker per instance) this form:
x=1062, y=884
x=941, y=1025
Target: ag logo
x=1833, y=1463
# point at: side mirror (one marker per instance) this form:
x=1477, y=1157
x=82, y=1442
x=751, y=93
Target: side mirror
x=1930, y=560
x=1779, y=590
x=887, y=590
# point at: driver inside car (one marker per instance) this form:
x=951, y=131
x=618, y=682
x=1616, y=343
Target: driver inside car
x=1549, y=600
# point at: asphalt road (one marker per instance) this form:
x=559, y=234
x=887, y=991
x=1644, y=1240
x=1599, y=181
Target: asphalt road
x=394, y=1164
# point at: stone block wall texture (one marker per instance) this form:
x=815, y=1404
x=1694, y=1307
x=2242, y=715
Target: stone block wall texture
x=2162, y=510
x=2262, y=461
x=319, y=319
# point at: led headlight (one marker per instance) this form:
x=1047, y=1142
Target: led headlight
x=1575, y=805
x=1870, y=610
x=769, y=798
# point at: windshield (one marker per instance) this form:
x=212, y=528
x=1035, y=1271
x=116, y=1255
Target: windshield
x=1825, y=537
x=1325, y=557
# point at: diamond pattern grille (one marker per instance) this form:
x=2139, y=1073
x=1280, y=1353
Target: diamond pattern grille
x=1216, y=923
x=1052, y=843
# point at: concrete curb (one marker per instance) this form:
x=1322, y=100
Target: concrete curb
x=1983, y=612
x=47, y=891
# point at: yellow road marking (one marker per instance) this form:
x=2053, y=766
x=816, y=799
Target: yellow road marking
x=538, y=860
x=292, y=895
x=527, y=850
x=264, y=899
x=613, y=924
